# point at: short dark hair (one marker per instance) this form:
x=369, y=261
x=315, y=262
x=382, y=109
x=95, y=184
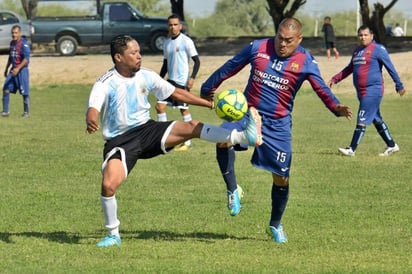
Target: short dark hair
x=174, y=16
x=365, y=27
x=119, y=44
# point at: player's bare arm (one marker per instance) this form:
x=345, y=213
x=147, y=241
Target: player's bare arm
x=189, y=98
x=92, y=120
x=343, y=110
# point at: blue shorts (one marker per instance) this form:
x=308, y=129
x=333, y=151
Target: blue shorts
x=20, y=82
x=275, y=154
x=368, y=111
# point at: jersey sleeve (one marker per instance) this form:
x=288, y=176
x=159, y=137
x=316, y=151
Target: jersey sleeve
x=227, y=70
x=161, y=88
x=320, y=87
x=387, y=63
x=97, y=96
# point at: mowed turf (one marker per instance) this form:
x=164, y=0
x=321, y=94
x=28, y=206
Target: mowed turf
x=345, y=215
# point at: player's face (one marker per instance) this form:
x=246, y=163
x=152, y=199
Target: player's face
x=130, y=61
x=365, y=37
x=15, y=34
x=286, y=41
x=175, y=27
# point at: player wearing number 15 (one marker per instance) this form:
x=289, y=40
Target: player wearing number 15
x=278, y=68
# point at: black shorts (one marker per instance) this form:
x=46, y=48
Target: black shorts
x=142, y=142
x=173, y=103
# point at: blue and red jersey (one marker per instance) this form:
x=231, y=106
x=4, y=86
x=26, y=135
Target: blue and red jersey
x=366, y=65
x=19, y=50
x=274, y=81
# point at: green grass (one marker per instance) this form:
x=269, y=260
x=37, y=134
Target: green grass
x=345, y=215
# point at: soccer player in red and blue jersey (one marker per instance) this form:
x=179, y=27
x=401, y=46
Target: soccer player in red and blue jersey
x=17, y=78
x=278, y=67
x=366, y=66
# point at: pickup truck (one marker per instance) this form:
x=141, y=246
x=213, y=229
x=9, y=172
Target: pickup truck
x=111, y=19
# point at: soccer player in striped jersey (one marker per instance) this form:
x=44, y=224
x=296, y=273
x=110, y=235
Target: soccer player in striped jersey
x=366, y=66
x=120, y=98
x=278, y=67
x=17, y=72
x=178, y=49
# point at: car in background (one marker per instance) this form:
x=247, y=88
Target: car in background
x=7, y=20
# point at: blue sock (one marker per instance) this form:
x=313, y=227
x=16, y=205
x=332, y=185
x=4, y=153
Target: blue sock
x=357, y=136
x=383, y=131
x=26, y=103
x=280, y=196
x=226, y=160
x=6, y=101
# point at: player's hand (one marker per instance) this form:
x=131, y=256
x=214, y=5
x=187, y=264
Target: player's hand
x=92, y=127
x=331, y=83
x=402, y=92
x=343, y=110
x=189, y=83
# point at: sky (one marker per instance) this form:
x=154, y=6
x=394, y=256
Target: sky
x=200, y=8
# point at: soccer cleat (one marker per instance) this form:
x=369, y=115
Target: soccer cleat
x=347, y=151
x=25, y=115
x=182, y=147
x=233, y=202
x=278, y=234
x=110, y=240
x=390, y=150
x=5, y=114
x=254, y=128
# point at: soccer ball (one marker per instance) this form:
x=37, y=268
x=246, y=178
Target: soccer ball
x=231, y=105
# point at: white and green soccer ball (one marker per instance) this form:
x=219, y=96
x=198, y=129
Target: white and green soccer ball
x=231, y=105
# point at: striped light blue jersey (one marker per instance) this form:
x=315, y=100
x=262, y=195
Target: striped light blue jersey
x=123, y=102
x=178, y=52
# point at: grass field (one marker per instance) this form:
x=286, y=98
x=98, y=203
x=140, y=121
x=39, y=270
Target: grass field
x=345, y=215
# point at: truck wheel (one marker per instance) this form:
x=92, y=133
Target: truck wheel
x=66, y=46
x=157, y=41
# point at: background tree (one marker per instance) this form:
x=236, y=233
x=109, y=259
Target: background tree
x=277, y=10
x=177, y=8
x=375, y=22
x=29, y=8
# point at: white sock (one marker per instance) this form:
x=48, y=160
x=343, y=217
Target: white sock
x=109, y=206
x=162, y=117
x=188, y=118
x=221, y=135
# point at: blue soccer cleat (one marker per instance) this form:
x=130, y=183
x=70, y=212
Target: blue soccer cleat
x=110, y=240
x=278, y=234
x=233, y=202
x=254, y=128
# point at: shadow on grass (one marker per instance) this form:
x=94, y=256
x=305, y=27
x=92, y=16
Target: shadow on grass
x=56, y=236
x=76, y=238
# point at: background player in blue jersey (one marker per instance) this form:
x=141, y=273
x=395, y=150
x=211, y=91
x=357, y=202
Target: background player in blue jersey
x=278, y=67
x=120, y=98
x=177, y=51
x=17, y=78
x=366, y=66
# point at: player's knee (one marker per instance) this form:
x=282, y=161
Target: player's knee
x=109, y=188
x=280, y=181
x=160, y=108
x=223, y=145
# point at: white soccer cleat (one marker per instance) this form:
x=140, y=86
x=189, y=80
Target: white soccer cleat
x=347, y=151
x=390, y=150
